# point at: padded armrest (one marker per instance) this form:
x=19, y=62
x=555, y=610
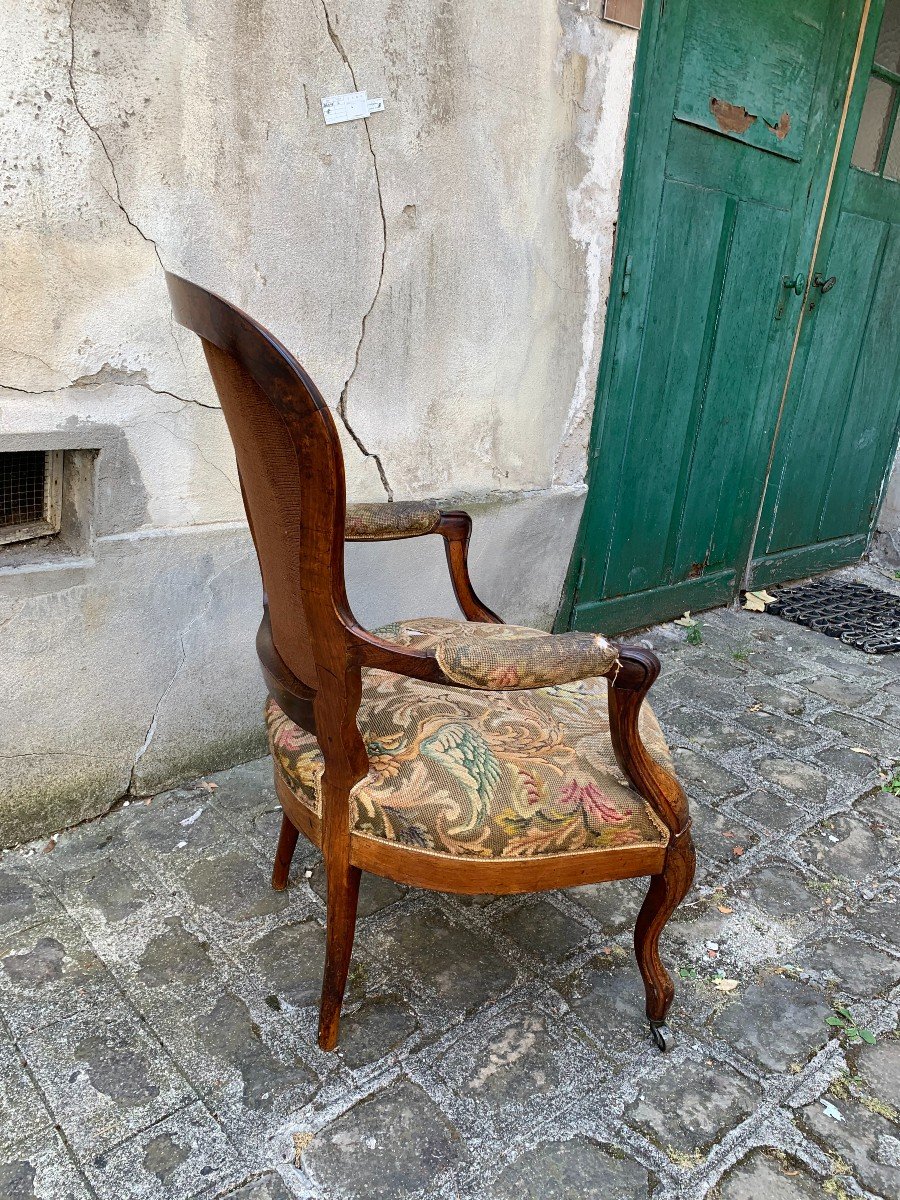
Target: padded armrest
x=507, y=657
x=385, y=522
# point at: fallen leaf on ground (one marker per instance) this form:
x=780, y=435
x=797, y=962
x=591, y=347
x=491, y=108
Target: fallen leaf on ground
x=737, y=850
x=725, y=985
x=301, y=1141
x=687, y=620
x=723, y=908
x=207, y=786
x=757, y=601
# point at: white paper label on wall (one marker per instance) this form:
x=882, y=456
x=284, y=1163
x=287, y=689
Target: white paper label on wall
x=349, y=106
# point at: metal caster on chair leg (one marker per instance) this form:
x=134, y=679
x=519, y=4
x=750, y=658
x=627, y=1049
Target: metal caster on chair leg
x=662, y=1035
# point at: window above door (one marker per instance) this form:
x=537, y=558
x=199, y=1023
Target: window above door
x=877, y=146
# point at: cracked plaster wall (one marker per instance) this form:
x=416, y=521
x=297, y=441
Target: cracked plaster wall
x=441, y=269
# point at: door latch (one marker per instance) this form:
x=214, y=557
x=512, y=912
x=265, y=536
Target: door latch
x=824, y=285
x=789, y=284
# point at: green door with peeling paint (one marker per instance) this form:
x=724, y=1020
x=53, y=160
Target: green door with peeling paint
x=712, y=375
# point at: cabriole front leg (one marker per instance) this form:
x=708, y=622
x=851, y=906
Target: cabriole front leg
x=665, y=893
x=638, y=669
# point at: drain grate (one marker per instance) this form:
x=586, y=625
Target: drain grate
x=857, y=614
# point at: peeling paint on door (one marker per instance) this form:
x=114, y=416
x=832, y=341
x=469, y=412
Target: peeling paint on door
x=731, y=118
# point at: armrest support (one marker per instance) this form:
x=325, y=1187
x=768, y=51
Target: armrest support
x=415, y=518
x=456, y=529
x=628, y=689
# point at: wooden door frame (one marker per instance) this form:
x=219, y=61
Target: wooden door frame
x=636, y=139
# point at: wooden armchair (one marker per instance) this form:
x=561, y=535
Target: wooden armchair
x=467, y=756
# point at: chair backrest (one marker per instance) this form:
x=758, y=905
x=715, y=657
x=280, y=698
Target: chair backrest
x=291, y=471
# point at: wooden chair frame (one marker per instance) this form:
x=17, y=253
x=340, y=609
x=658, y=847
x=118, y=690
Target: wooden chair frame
x=326, y=704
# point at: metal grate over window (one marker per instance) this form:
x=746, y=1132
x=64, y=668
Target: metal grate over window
x=30, y=494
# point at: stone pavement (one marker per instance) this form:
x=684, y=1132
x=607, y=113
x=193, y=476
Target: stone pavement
x=158, y=999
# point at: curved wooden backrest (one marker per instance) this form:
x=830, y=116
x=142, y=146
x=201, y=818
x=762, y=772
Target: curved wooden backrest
x=292, y=475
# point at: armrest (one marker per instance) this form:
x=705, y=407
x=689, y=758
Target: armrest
x=494, y=657
x=506, y=657
x=385, y=522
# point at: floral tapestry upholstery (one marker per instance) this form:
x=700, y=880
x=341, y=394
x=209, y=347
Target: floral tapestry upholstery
x=503, y=656
x=384, y=522
x=506, y=774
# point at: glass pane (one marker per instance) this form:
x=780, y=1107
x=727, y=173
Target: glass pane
x=892, y=165
x=887, y=52
x=873, y=125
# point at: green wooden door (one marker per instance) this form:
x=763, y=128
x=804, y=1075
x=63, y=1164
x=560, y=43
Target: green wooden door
x=842, y=403
x=735, y=126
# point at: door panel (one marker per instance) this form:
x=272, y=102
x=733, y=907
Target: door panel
x=670, y=364
x=752, y=78
x=869, y=432
x=806, y=448
x=706, y=345
x=730, y=419
x=848, y=405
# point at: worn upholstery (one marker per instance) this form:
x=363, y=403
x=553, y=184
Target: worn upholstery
x=507, y=656
x=504, y=774
x=384, y=522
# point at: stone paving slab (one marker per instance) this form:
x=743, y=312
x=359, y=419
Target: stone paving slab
x=158, y=999
x=104, y=1077
x=42, y=1170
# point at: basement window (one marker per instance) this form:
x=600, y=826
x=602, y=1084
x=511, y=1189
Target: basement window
x=30, y=494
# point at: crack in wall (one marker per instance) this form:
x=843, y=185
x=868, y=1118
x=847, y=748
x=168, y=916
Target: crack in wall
x=122, y=377
x=190, y=441
x=109, y=375
x=342, y=402
x=151, y=731
x=117, y=198
x=8, y=387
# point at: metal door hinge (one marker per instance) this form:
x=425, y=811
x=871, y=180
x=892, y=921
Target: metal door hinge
x=576, y=591
x=626, y=275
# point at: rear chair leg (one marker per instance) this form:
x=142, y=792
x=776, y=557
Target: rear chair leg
x=343, y=894
x=287, y=842
x=666, y=892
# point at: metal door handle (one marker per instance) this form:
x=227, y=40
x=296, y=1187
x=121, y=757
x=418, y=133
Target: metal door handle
x=825, y=285
x=797, y=285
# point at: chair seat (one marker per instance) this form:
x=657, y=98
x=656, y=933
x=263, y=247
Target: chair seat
x=505, y=774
